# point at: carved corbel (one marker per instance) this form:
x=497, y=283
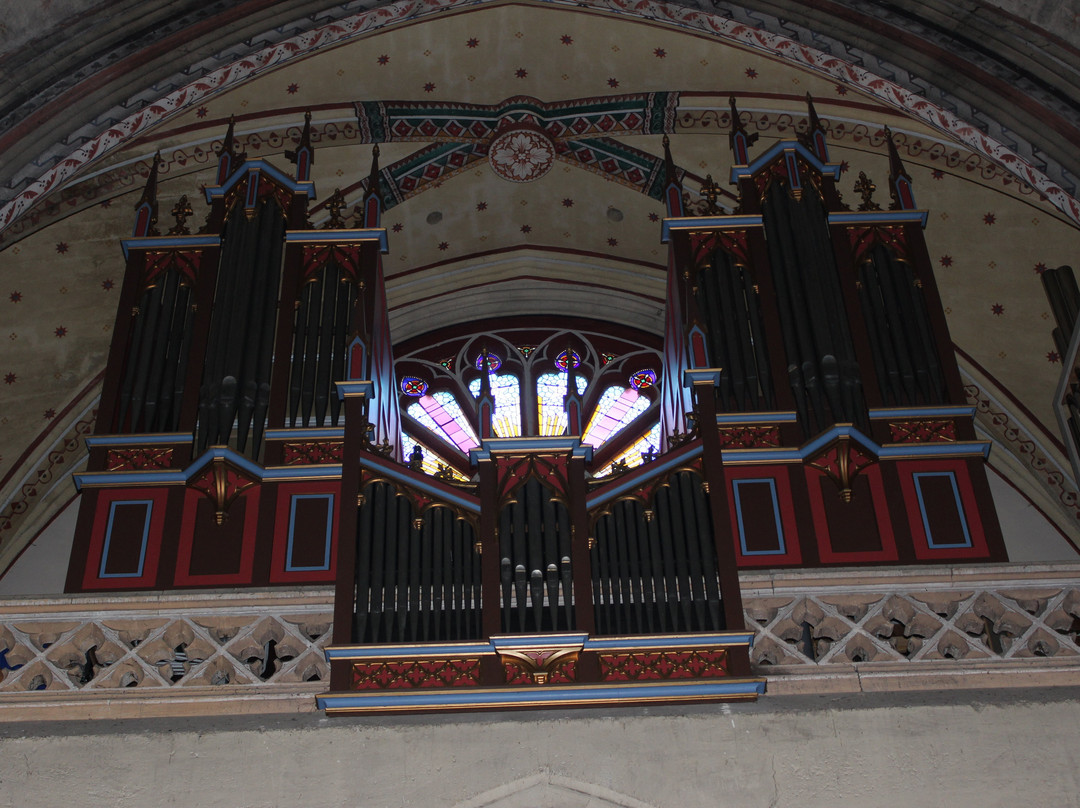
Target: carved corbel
x=221, y=484
x=841, y=463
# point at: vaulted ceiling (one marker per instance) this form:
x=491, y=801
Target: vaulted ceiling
x=985, y=107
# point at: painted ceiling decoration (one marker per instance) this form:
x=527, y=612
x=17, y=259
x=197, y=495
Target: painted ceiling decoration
x=387, y=15
x=521, y=170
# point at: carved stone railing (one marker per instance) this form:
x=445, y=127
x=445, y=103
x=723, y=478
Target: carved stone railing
x=914, y=628
x=148, y=654
x=817, y=631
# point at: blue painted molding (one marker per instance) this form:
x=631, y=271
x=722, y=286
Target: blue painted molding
x=114, y=479
x=923, y=412
x=558, y=443
x=200, y=241
x=701, y=376
x=917, y=479
x=757, y=418
x=427, y=650
x=878, y=217
x=540, y=696
x=402, y=474
x=349, y=236
x=892, y=451
x=715, y=639
x=364, y=388
x=259, y=166
x=641, y=474
x=652, y=641
x=777, y=519
x=301, y=434
x=699, y=223
x=149, y=503
x=95, y=441
x=777, y=149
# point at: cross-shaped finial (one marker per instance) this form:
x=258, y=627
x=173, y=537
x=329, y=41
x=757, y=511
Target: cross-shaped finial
x=865, y=188
x=181, y=212
x=335, y=204
x=711, y=191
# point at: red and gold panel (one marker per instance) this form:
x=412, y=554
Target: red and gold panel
x=212, y=554
x=393, y=674
x=636, y=666
x=125, y=540
x=853, y=531
x=942, y=510
x=305, y=532
x=762, y=516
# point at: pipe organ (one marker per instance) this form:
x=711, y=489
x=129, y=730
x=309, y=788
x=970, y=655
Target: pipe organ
x=563, y=518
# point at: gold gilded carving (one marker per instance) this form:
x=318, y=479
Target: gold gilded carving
x=222, y=484
x=541, y=665
x=138, y=459
x=841, y=462
x=922, y=431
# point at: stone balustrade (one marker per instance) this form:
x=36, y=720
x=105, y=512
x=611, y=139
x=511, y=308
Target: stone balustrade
x=817, y=631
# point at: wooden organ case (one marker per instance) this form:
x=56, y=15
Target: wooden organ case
x=810, y=414
x=218, y=448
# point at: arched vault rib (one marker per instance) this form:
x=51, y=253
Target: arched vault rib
x=1028, y=119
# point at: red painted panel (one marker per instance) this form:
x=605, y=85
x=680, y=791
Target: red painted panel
x=936, y=519
x=279, y=559
x=886, y=537
x=117, y=570
x=779, y=476
x=197, y=528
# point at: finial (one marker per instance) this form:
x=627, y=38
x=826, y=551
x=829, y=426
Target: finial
x=739, y=139
x=146, y=209
x=335, y=204
x=865, y=188
x=814, y=137
x=711, y=191
x=900, y=190
x=181, y=212
x=304, y=155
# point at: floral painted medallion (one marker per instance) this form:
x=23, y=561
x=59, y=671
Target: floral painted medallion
x=521, y=155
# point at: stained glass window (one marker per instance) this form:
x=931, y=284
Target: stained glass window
x=551, y=395
x=506, y=390
x=431, y=463
x=632, y=457
x=645, y=377
x=493, y=362
x=618, y=406
x=441, y=413
x=413, y=386
x=563, y=360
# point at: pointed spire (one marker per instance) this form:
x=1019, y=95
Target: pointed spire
x=486, y=405
x=672, y=185
x=739, y=138
x=229, y=159
x=373, y=194
x=903, y=196
x=572, y=400
x=146, y=209
x=304, y=155
x=814, y=138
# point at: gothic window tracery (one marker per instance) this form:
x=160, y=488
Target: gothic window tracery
x=614, y=378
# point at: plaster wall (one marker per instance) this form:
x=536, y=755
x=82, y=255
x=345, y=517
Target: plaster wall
x=991, y=748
